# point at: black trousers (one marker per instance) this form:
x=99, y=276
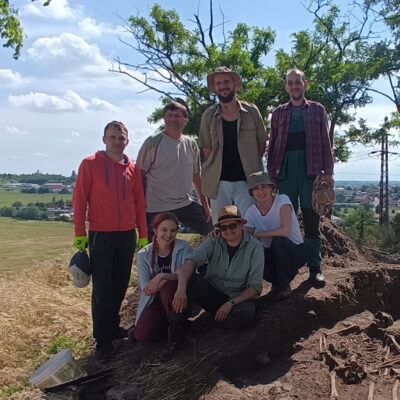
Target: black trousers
x=282, y=261
x=111, y=255
x=203, y=292
x=192, y=215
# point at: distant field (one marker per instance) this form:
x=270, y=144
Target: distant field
x=26, y=243
x=9, y=197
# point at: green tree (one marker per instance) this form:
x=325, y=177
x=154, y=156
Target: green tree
x=11, y=30
x=176, y=59
x=8, y=212
x=17, y=204
x=340, y=64
x=29, y=213
x=359, y=223
x=395, y=225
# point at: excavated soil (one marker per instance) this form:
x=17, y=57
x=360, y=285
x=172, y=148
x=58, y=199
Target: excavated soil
x=341, y=341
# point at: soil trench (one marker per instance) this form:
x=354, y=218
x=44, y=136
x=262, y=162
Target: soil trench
x=339, y=342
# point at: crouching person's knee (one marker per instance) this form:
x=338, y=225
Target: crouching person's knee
x=242, y=316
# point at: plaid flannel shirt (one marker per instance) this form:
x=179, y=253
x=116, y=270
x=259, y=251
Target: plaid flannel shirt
x=318, y=144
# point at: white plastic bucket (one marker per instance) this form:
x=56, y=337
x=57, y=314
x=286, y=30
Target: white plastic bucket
x=60, y=368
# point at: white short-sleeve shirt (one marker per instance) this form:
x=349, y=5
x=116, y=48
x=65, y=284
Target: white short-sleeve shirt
x=272, y=220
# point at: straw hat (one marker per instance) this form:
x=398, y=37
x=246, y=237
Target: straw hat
x=259, y=178
x=224, y=70
x=229, y=213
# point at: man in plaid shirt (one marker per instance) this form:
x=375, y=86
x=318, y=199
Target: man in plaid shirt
x=300, y=149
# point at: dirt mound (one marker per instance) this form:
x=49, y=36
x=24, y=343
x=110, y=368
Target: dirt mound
x=342, y=338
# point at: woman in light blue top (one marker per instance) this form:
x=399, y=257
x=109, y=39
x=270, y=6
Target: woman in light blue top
x=156, y=265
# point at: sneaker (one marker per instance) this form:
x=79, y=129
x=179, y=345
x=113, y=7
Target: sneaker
x=120, y=333
x=317, y=279
x=283, y=293
x=105, y=351
x=171, y=351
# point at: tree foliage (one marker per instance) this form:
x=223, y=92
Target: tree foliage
x=341, y=55
x=176, y=60
x=360, y=223
x=11, y=30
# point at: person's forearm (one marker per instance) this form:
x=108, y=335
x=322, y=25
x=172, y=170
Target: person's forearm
x=184, y=273
x=281, y=231
x=197, y=188
x=166, y=276
x=247, y=294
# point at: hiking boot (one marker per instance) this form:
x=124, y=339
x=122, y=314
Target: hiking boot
x=171, y=351
x=317, y=279
x=283, y=292
x=120, y=333
x=105, y=351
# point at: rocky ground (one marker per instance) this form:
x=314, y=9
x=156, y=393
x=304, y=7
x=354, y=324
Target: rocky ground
x=339, y=342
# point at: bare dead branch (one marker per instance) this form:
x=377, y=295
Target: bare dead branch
x=210, y=33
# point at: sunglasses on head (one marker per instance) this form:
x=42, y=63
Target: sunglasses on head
x=231, y=226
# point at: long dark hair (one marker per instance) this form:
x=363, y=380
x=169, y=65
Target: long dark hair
x=164, y=216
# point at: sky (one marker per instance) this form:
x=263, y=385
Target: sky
x=57, y=97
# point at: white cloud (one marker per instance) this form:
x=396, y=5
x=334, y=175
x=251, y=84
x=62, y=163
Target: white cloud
x=102, y=105
x=15, y=131
x=75, y=133
x=69, y=102
x=58, y=9
x=68, y=53
x=41, y=154
x=9, y=77
x=89, y=27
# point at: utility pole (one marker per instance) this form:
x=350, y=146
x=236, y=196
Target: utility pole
x=384, y=181
x=381, y=182
x=386, y=214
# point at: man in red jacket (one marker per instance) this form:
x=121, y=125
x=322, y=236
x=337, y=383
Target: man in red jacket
x=109, y=189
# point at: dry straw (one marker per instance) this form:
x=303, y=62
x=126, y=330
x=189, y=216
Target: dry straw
x=38, y=306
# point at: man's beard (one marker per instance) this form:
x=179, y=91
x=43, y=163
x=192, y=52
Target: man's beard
x=228, y=98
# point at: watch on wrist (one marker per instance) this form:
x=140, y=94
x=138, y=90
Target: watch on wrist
x=233, y=302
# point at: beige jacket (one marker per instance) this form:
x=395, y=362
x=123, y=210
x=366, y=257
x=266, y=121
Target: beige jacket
x=251, y=133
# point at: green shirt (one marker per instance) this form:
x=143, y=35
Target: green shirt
x=250, y=133
x=245, y=269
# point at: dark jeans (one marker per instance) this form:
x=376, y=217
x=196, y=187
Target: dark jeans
x=282, y=261
x=201, y=291
x=111, y=255
x=192, y=215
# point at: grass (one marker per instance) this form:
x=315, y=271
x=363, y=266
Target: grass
x=26, y=243
x=7, y=197
x=41, y=311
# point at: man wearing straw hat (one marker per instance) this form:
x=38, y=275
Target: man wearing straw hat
x=232, y=136
x=232, y=280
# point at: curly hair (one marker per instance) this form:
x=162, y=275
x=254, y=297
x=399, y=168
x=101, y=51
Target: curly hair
x=164, y=216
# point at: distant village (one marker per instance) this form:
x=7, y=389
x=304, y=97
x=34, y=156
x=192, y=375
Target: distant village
x=346, y=195
x=61, y=210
